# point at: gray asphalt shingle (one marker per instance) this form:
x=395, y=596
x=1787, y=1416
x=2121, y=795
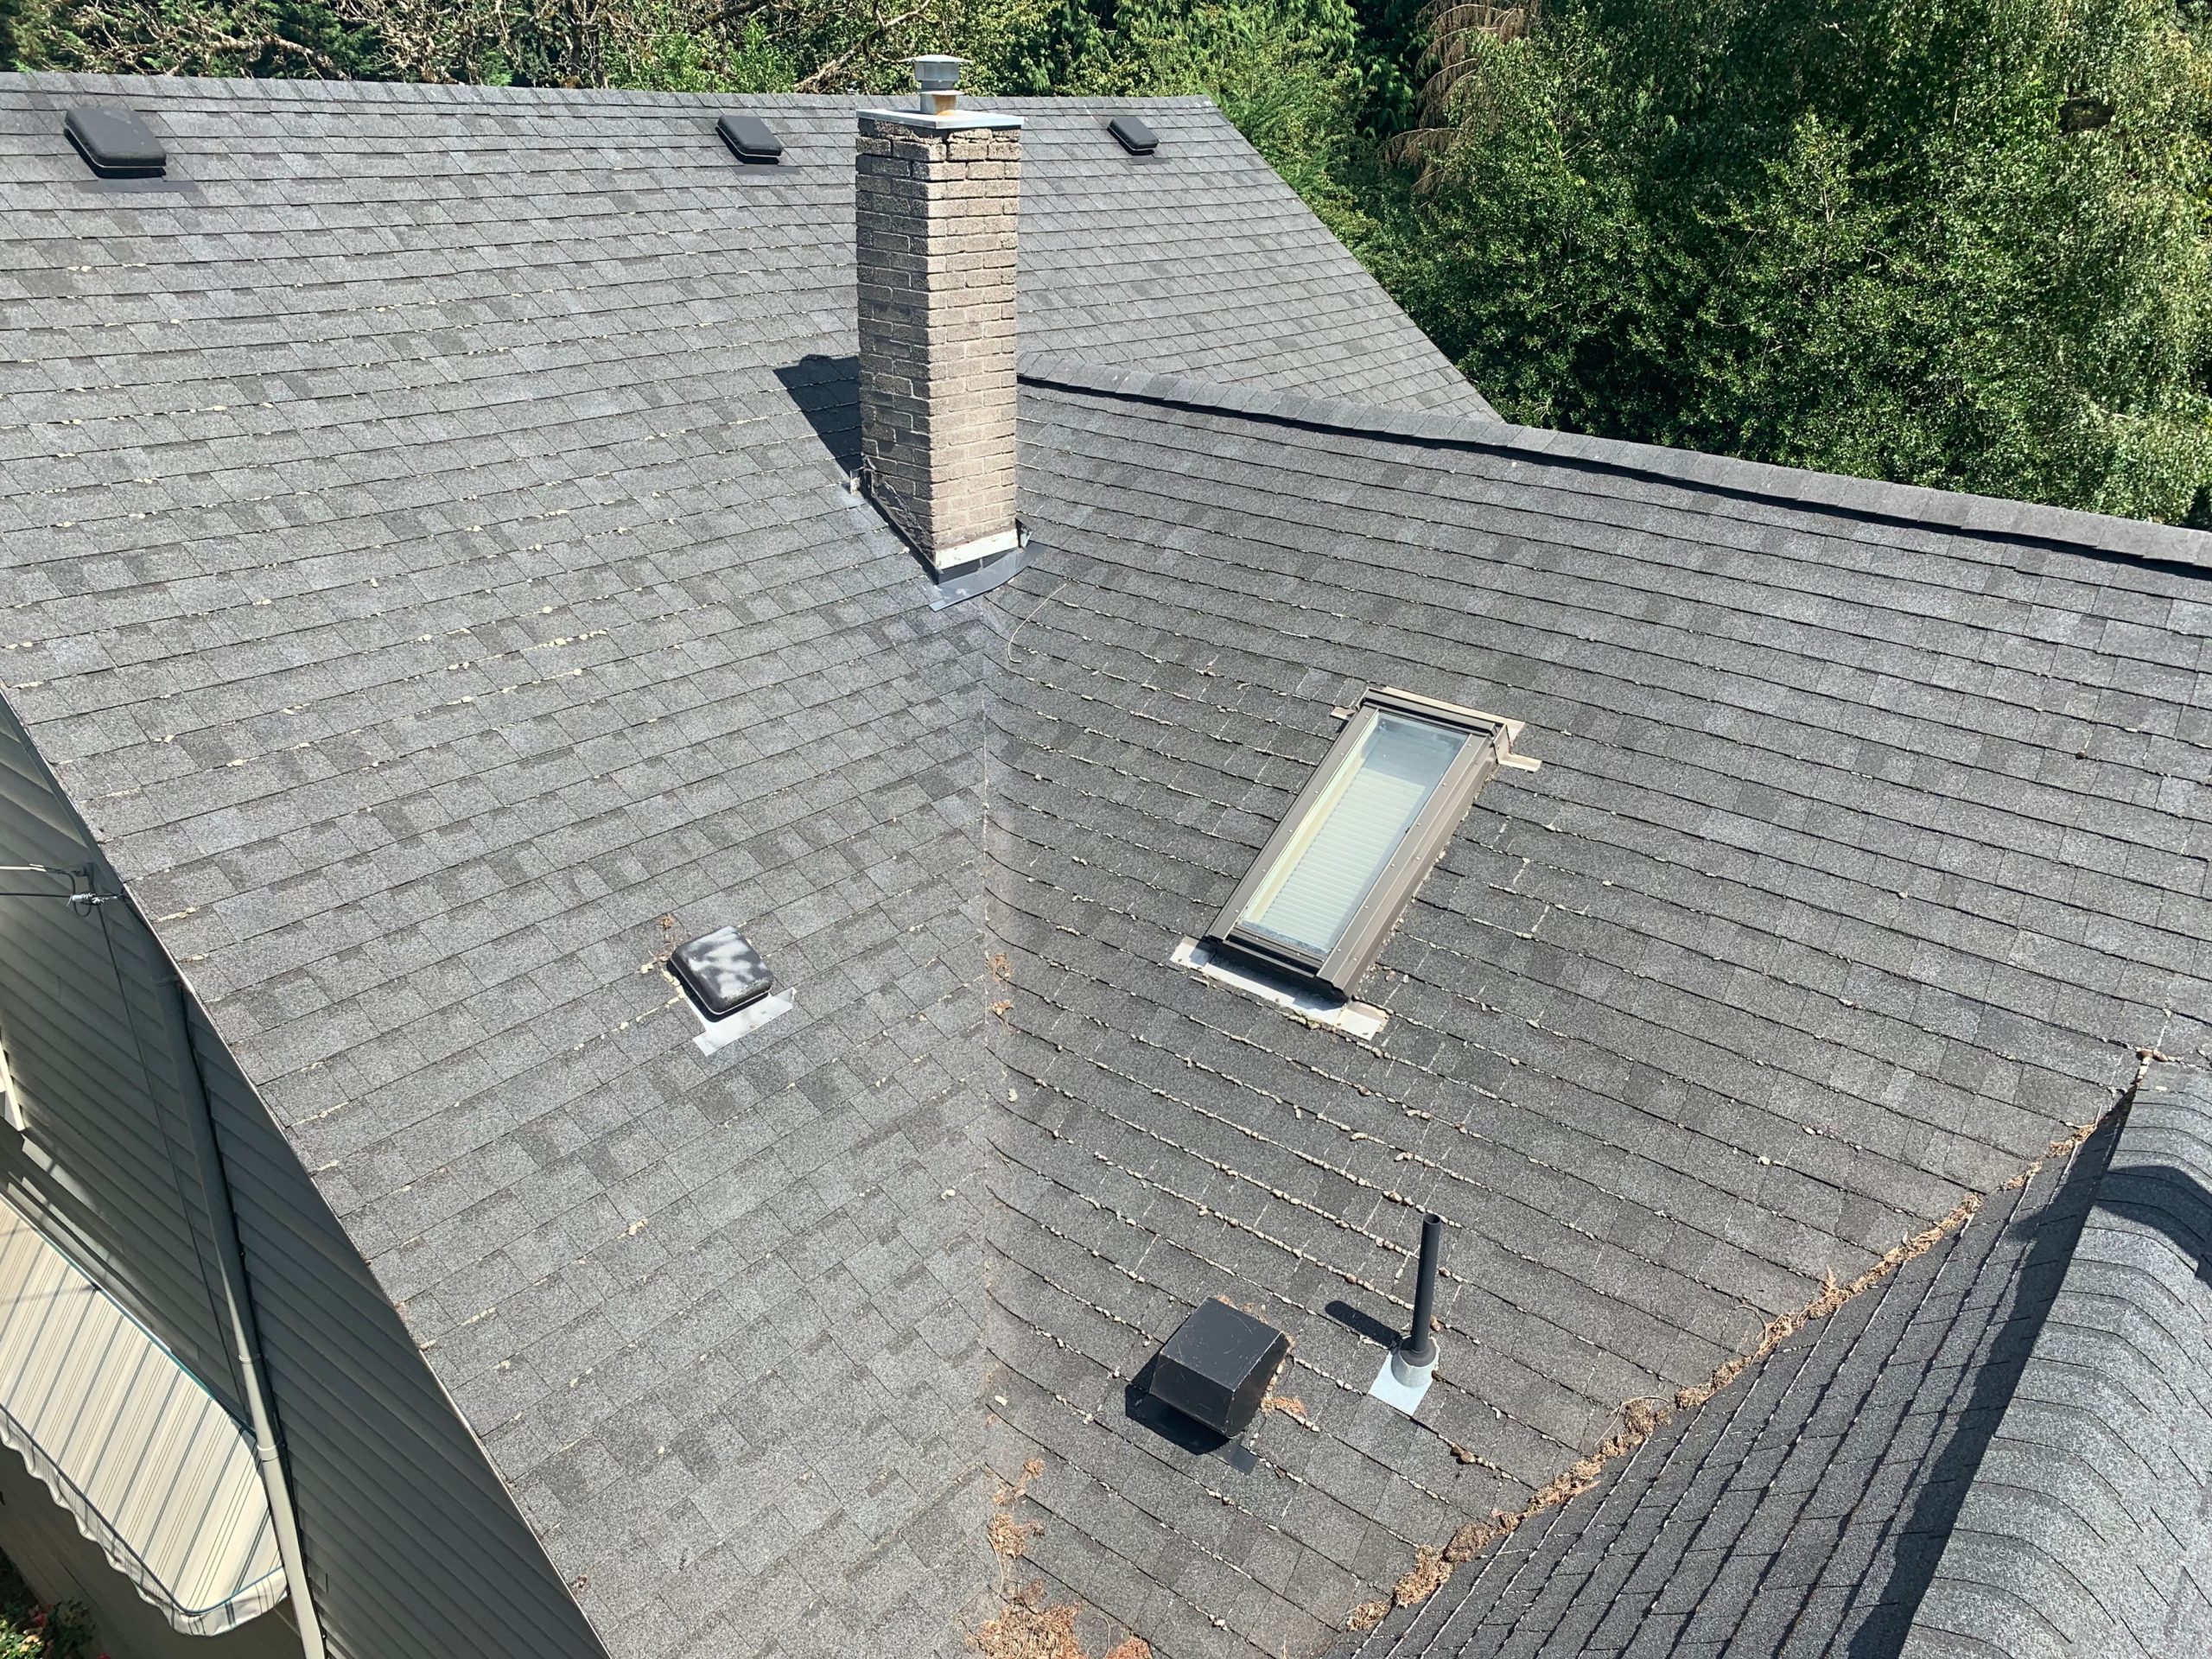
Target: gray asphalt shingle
x=2083, y=1529
x=1759, y=974
x=427, y=563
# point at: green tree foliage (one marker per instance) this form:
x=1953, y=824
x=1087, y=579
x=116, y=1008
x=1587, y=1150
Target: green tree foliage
x=1956, y=242
x=1952, y=242
x=1287, y=71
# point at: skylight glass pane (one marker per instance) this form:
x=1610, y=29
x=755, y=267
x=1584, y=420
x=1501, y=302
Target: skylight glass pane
x=1314, y=889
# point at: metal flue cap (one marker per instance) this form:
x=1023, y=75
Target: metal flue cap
x=938, y=77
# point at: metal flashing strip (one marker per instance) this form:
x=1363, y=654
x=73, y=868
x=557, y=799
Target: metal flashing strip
x=1399, y=1386
x=1360, y=1020
x=981, y=578
x=717, y=1034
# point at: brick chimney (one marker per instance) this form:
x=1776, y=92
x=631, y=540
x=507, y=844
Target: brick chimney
x=938, y=196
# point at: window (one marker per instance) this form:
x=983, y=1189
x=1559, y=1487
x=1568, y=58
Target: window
x=1331, y=882
x=11, y=1104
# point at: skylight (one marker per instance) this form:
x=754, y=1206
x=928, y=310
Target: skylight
x=1330, y=884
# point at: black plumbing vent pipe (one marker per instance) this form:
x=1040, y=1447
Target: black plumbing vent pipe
x=1420, y=1347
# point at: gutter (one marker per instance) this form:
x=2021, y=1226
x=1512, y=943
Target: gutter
x=238, y=1305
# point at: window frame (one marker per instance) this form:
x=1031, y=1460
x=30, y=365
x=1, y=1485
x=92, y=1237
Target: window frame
x=1409, y=864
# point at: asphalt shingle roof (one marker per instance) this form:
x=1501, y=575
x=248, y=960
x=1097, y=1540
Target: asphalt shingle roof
x=425, y=568
x=1861, y=864
x=2084, y=1529
x=427, y=563
x=1803, y=1509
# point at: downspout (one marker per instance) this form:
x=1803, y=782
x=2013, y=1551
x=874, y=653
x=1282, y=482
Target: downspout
x=239, y=1306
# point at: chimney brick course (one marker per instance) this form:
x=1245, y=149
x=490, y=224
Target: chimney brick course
x=937, y=210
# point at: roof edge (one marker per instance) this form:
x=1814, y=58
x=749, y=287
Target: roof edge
x=2085, y=1513
x=2067, y=529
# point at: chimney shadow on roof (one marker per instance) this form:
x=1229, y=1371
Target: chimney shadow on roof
x=827, y=392
x=1923, y=1531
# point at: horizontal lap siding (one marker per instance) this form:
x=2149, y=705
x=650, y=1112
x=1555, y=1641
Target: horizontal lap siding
x=413, y=1546
x=104, y=1171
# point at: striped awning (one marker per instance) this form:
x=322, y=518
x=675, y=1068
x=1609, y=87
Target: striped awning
x=156, y=1474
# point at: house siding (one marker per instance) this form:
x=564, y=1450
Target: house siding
x=413, y=1546
x=105, y=1171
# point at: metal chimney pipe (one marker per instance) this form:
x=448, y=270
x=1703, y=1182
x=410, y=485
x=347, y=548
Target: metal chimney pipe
x=1418, y=1352
x=937, y=78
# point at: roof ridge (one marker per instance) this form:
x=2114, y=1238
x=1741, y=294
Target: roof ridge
x=2101, y=536
x=287, y=90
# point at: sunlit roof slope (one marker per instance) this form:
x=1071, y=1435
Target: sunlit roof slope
x=1863, y=861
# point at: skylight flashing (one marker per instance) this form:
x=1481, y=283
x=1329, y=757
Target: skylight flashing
x=1297, y=995
x=1377, y=813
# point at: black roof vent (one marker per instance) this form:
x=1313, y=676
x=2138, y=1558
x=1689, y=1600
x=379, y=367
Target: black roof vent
x=723, y=972
x=1217, y=1366
x=750, y=140
x=1133, y=135
x=115, y=143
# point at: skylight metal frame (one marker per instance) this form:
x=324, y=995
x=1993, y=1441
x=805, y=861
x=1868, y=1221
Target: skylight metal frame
x=1408, y=863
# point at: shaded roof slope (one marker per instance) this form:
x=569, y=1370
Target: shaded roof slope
x=2085, y=1528
x=1863, y=858
x=1802, y=1509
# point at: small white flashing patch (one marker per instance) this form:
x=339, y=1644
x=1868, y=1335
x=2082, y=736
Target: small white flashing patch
x=1399, y=1386
x=958, y=561
x=720, y=1033
x=1353, y=1019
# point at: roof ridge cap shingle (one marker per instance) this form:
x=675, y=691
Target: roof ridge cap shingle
x=2115, y=1402
x=2061, y=528
x=291, y=90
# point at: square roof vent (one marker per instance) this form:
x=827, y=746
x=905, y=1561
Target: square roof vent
x=1133, y=135
x=751, y=140
x=1216, y=1367
x=115, y=143
x=722, y=971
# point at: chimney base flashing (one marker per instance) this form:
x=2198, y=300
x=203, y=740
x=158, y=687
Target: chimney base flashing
x=951, y=562
x=966, y=582
x=956, y=121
